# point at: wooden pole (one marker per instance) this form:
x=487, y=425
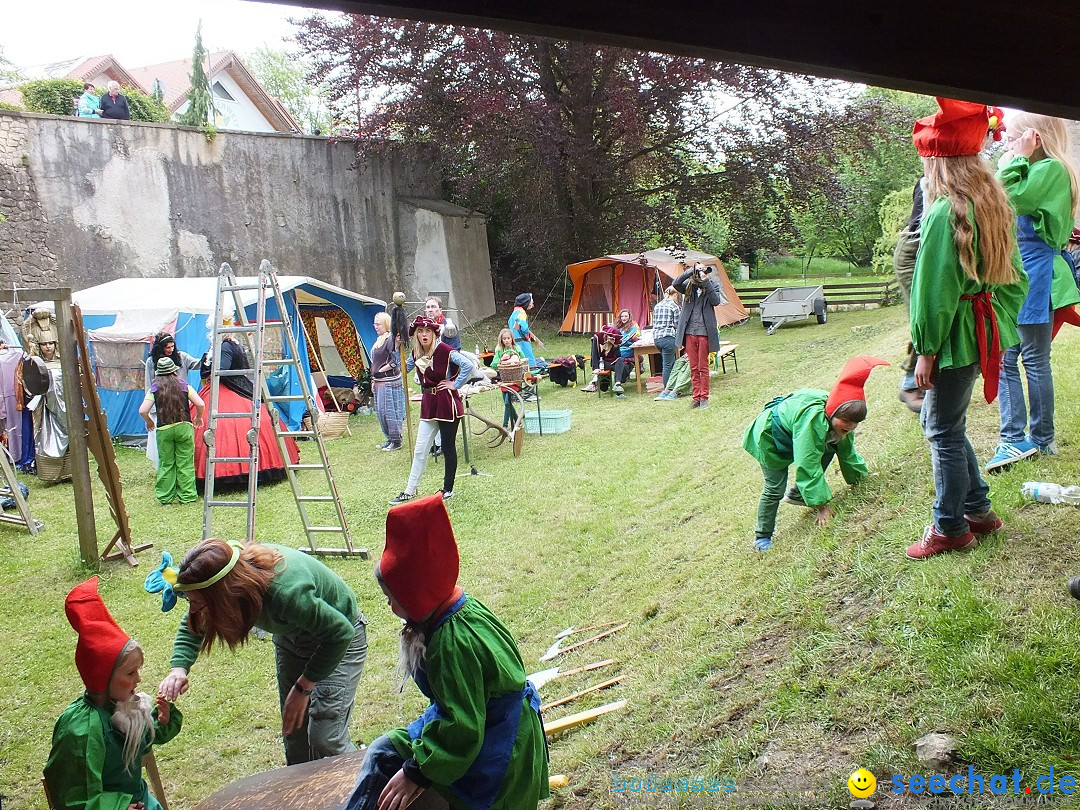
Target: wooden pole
x=408, y=404
x=77, y=446
x=572, y=720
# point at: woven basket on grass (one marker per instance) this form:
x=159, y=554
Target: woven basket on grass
x=54, y=470
x=333, y=424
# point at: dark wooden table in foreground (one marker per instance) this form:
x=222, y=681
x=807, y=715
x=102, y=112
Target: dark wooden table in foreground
x=321, y=785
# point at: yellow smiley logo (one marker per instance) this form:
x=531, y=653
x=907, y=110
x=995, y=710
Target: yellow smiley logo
x=861, y=783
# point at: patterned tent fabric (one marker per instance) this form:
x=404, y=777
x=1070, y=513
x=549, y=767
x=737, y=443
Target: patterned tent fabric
x=119, y=366
x=341, y=330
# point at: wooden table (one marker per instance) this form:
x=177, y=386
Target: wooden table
x=647, y=350
x=325, y=784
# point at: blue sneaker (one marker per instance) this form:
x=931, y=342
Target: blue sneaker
x=1048, y=449
x=762, y=544
x=1008, y=453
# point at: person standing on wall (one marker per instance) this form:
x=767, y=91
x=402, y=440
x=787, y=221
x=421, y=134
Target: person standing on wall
x=697, y=325
x=114, y=104
x=88, y=105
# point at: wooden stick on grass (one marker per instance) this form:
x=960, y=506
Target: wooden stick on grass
x=576, y=695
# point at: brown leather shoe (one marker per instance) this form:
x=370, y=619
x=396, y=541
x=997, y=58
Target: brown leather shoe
x=933, y=543
x=694, y=404
x=986, y=523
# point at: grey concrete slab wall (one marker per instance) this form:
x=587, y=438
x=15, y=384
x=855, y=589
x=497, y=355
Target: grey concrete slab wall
x=88, y=201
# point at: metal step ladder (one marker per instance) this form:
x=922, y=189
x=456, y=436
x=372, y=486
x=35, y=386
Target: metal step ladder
x=229, y=287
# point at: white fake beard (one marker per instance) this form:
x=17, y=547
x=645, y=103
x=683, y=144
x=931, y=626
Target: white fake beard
x=412, y=650
x=133, y=719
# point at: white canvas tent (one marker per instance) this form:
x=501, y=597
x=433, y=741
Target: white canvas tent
x=122, y=316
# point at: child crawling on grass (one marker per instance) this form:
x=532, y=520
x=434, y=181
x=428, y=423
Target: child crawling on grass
x=808, y=428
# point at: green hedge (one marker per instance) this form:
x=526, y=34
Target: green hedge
x=5, y=106
x=51, y=96
x=57, y=97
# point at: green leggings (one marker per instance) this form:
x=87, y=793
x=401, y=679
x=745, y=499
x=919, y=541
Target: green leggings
x=176, y=463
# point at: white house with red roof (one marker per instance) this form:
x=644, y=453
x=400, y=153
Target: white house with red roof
x=240, y=102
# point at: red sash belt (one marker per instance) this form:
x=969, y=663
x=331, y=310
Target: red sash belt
x=989, y=351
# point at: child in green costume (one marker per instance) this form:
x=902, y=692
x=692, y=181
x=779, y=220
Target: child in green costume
x=175, y=433
x=806, y=429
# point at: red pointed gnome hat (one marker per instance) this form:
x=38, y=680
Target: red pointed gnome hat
x=958, y=128
x=101, y=641
x=850, y=384
x=419, y=565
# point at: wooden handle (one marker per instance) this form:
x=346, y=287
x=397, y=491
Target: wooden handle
x=583, y=692
x=572, y=720
x=597, y=637
x=606, y=662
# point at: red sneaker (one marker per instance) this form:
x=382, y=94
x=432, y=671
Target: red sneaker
x=986, y=523
x=933, y=542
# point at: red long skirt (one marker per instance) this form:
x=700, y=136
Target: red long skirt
x=231, y=440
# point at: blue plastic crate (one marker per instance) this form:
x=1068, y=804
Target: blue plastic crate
x=552, y=421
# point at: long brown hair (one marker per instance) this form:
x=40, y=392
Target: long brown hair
x=171, y=400
x=234, y=603
x=966, y=180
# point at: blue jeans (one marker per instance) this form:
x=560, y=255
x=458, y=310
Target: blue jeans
x=666, y=345
x=907, y=382
x=1034, y=350
x=958, y=484
x=381, y=762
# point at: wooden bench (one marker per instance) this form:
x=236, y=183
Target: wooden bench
x=726, y=350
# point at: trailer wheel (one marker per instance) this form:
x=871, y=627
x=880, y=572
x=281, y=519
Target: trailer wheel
x=821, y=310
x=766, y=324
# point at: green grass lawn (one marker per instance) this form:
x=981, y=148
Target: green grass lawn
x=830, y=652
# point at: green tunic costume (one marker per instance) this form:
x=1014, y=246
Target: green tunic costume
x=800, y=424
x=942, y=324
x=1043, y=192
x=475, y=678
x=86, y=765
x=305, y=599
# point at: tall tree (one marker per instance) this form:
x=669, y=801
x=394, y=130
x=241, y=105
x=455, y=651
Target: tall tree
x=865, y=153
x=200, y=110
x=572, y=149
x=8, y=71
x=285, y=78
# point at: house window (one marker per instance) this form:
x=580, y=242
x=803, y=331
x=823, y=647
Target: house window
x=221, y=93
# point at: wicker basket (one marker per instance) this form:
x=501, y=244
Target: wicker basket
x=512, y=372
x=53, y=470
x=333, y=424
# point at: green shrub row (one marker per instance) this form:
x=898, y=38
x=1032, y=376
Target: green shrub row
x=57, y=97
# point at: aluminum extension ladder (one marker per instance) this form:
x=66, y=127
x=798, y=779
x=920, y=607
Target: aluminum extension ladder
x=230, y=298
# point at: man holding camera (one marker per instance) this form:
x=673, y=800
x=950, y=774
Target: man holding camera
x=697, y=325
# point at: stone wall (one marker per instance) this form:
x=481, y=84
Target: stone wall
x=88, y=201
x=26, y=258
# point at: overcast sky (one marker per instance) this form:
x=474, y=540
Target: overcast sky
x=138, y=32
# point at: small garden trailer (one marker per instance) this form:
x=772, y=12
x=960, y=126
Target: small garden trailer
x=786, y=304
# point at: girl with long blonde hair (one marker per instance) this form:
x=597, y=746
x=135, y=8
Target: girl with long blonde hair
x=386, y=383
x=1042, y=189
x=966, y=289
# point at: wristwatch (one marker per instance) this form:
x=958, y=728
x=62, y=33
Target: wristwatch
x=302, y=690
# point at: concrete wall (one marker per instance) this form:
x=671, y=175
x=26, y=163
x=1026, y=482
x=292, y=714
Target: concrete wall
x=88, y=201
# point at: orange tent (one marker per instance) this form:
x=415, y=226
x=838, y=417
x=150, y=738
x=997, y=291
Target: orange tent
x=606, y=285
